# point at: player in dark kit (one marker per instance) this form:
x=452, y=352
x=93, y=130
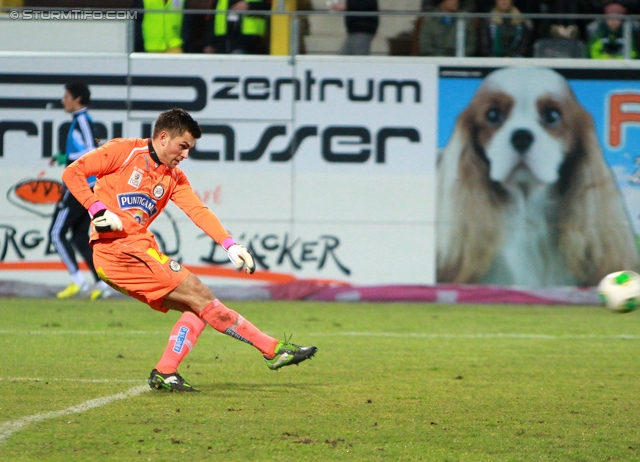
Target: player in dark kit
x=69, y=214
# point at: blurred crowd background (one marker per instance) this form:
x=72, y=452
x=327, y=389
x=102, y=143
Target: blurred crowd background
x=496, y=28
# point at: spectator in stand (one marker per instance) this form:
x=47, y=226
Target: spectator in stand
x=432, y=5
x=438, y=34
x=304, y=24
x=632, y=6
x=193, y=25
x=561, y=26
x=506, y=36
x=159, y=32
x=360, y=29
x=237, y=32
x=607, y=40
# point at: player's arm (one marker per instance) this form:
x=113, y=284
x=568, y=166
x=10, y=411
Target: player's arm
x=185, y=198
x=98, y=162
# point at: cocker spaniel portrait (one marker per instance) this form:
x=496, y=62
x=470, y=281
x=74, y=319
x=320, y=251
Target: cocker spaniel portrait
x=525, y=197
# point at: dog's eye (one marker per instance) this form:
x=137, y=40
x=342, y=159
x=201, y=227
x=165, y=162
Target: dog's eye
x=494, y=116
x=551, y=117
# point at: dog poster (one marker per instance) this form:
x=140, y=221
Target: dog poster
x=538, y=175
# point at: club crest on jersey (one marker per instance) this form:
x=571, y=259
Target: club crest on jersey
x=141, y=206
x=158, y=191
x=175, y=266
x=135, y=179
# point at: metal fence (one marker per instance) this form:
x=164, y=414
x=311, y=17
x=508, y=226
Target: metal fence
x=629, y=22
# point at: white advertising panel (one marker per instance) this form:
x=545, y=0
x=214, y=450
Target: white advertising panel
x=323, y=167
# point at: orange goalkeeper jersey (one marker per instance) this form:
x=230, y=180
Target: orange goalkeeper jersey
x=136, y=188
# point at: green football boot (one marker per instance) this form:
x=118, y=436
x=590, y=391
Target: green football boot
x=288, y=353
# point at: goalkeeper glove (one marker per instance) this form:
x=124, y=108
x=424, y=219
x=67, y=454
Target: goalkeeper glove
x=240, y=256
x=105, y=221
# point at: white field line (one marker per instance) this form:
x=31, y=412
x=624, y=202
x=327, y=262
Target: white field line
x=352, y=334
x=80, y=332
x=473, y=336
x=9, y=428
x=37, y=379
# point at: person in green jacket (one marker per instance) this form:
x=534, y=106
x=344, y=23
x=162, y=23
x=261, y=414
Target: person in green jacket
x=607, y=41
x=238, y=31
x=159, y=32
x=438, y=34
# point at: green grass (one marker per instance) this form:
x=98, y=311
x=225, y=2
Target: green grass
x=390, y=381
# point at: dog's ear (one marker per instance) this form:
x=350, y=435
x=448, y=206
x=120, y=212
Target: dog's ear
x=469, y=213
x=595, y=236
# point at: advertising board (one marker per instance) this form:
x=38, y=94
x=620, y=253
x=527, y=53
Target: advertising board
x=324, y=168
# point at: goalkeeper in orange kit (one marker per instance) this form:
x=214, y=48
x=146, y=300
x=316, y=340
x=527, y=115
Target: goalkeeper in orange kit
x=136, y=180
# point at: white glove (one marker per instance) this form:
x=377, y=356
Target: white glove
x=240, y=256
x=105, y=221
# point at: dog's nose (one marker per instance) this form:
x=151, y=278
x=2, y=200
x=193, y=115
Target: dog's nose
x=521, y=140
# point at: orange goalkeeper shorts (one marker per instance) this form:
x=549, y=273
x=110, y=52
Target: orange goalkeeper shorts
x=134, y=266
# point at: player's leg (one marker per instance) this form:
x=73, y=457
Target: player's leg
x=60, y=225
x=133, y=268
x=182, y=339
x=199, y=297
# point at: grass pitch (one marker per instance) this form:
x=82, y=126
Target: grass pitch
x=390, y=381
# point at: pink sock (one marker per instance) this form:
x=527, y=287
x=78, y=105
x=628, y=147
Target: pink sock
x=231, y=323
x=183, y=337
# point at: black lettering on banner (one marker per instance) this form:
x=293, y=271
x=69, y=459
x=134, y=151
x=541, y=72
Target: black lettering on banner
x=9, y=240
x=331, y=243
x=325, y=83
x=63, y=132
x=307, y=253
x=229, y=84
x=387, y=132
x=211, y=258
x=267, y=242
x=116, y=128
x=352, y=95
x=252, y=84
x=287, y=81
x=399, y=85
x=229, y=136
x=296, y=253
x=16, y=126
x=287, y=251
x=100, y=130
x=145, y=130
x=233, y=87
x=12, y=239
x=196, y=83
x=47, y=138
x=298, y=137
x=31, y=239
x=361, y=133
x=309, y=83
x=360, y=136
x=269, y=134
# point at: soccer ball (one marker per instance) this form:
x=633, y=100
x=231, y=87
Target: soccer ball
x=620, y=291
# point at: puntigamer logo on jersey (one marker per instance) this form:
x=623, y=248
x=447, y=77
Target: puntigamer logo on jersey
x=144, y=206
